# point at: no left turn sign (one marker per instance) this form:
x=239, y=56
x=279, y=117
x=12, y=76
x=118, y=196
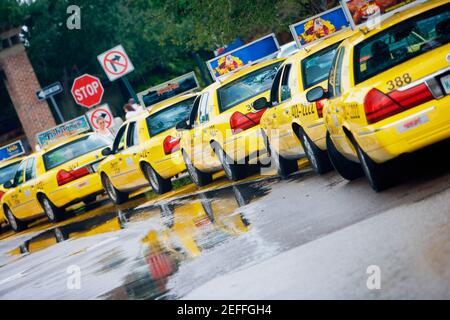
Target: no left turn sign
x=115, y=63
x=103, y=112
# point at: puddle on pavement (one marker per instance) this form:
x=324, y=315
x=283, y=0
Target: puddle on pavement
x=170, y=233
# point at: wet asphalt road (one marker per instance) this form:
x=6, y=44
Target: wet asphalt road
x=264, y=238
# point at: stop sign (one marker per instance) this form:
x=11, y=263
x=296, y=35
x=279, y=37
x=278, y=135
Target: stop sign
x=87, y=90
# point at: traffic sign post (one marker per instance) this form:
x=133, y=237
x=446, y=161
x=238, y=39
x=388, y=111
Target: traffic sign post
x=48, y=93
x=116, y=64
x=87, y=90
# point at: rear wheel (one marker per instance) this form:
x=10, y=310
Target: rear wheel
x=52, y=212
x=347, y=169
x=116, y=196
x=16, y=224
x=158, y=183
x=232, y=170
x=377, y=174
x=198, y=177
x=319, y=159
x=285, y=167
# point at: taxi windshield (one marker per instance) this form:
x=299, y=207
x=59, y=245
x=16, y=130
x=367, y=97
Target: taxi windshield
x=402, y=42
x=316, y=67
x=73, y=150
x=247, y=87
x=7, y=172
x=168, y=118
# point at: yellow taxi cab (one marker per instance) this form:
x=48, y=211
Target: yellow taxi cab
x=389, y=92
x=292, y=125
x=57, y=176
x=146, y=150
x=223, y=131
x=7, y=170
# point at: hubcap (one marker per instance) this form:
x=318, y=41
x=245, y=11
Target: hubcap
x=364, y=165
x=48, y=209
x=11, y=219
x=225, y=164
x=111, y=191
x=191, y=169
x=153, y=179
x=310, y=152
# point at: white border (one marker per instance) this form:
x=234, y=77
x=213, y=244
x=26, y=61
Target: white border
x=295, y=35
x=211, y=70
x=186, y=75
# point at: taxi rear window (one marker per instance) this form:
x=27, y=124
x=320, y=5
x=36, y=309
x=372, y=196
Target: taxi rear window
x=402, y=42
x=168, y=117
x=316, y=67
x=73, y=150
x=7, y=172
x=247, y=87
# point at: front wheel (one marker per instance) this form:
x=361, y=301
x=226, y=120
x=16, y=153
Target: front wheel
x=200, y=178
x=116, y=196
x=319, y=159
x=347, y=169
x=158, y=183
x=16, y=224
x=285, y=167
x=232, y=170
x=53, y=213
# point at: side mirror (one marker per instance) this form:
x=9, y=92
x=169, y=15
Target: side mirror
x=8, y=185
x=260, y=104
x=107, y=151
x=316, y=94
x=182, y=125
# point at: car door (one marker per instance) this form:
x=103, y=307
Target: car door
x=117, y=164
x=17, y=197
x=29, y=189
x=201, y=146
x=133, y=175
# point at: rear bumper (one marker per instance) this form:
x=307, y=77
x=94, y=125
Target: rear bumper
x=246, y=146
x=170, y=165
x=407, y=132
x=77, y=190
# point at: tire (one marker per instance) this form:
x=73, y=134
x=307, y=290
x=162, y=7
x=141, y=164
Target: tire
x=53, y=213
x=347, y=169
x=319, y=159
x=285, y=167
x=377, y=174
x=200, y=178
x=233, y=171
x=16, y=224
x=116, y=196
x=158, y=183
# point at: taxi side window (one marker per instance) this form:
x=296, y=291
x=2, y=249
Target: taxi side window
x=338, y=76
x=30, y=171
x=194, y=111
x=285, y=91
x=132, y=136
x=204, y=108
x=119, y=142
x=335, y=74
x=19, y=177
x=275, y=88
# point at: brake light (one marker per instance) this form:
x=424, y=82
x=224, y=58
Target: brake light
x=240, y=122
x=1, y=195
x=379, y=106
x=171, y=144
x=63, y=177
x=319, y=106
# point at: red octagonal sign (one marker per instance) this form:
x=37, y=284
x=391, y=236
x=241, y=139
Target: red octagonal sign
x=87, y=90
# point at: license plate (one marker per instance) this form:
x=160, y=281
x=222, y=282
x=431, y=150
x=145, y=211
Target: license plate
x=95, y=166
x=446, y=83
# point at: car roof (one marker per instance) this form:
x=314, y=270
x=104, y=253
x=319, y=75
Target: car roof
x=5, y=163
x=398, y=17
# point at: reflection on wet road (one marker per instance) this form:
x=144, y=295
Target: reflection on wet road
x=305, y=237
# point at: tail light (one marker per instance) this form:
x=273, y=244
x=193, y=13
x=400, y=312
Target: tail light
x=319, y=106
x=1, y=195
x=240, y=122
x=171, y=144
x=379, y=106
x=63, y=177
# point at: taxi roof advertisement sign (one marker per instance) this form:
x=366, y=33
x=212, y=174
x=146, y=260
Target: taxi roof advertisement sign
x=360, y=12
x=252, y=52
x=169, y=89
x=12, y=150
x=319, y=27
x=67, y=129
